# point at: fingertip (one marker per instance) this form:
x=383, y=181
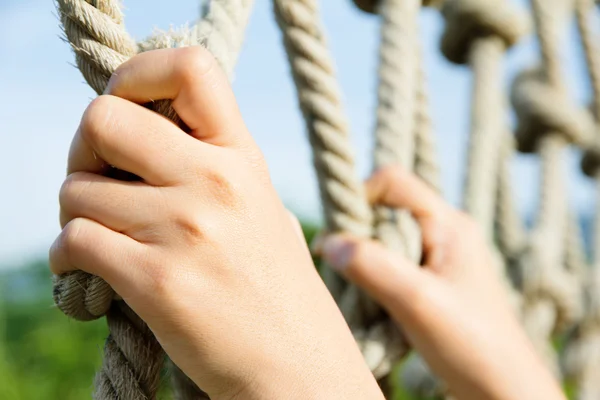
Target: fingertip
x=337, y=251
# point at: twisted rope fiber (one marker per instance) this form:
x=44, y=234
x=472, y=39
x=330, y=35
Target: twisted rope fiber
x=396, y=111
x=401, y=115
x=94, y=28
x=487, y=130
x=132, y=357
x=477, y=33
x=582, y=356
x=426, y=163
x=551, y=292
x=511, y=232
x=344, y=202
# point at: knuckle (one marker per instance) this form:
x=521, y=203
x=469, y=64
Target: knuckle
x=422, y=299
x=466, y=224
x=224, y=189
x=195, y=62
x=161, y=276
x=190, y=229
x=71, y=238
x=71, y=190
x=96, y=118
x=389, y=173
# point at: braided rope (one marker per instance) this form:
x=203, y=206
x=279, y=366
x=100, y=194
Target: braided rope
x=344, y=202
x=583, y=11
x=582, y=356
x=511, y=232
x=540, y=315
x=396, y=111
x=476, y=32
x=487, y=129
x=550, y=291
x=221, y=30
x=426, y=164
x=132, y=357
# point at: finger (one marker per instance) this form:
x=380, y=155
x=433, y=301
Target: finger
x=385, y=275
x=132, y=138
x=396, y=187
x=200, y=90
x=91, y=247
x=118, y=205
x=296, y=224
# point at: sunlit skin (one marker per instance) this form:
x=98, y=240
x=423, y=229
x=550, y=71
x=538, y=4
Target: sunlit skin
x=454, y=309
x=202, y=248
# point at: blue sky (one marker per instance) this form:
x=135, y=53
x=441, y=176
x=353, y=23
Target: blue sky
x=43, y=97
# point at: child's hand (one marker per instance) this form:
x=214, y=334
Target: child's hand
x=454, y=309
x=202, y=247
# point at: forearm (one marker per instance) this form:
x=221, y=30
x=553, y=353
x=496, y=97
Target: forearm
x=510, y=370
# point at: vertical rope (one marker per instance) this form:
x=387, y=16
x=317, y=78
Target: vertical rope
x=222, y=29
x=476, y=33
x=395, y=129
x=133, y=358
x=344, y=203
x=553, y=218
x=512, y=235
x=487, y=128
x=582, y=356
x=426, y=164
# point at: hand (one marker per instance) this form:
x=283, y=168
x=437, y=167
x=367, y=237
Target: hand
x=454, y=309
x=201, y=247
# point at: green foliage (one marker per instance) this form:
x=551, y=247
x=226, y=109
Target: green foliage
x=45, y=355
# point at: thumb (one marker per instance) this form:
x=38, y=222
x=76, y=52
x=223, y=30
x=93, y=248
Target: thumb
x=387, y=276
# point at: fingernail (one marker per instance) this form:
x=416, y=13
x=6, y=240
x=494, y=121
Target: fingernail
x=316, y=245
x=337, y=252
x=108, y=87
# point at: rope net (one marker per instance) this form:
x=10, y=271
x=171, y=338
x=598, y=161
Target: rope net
x=545, y=267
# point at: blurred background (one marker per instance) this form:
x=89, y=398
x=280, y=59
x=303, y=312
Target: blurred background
x=43, y=355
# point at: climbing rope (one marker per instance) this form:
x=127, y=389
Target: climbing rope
x=547, y=264
x=396, y=112
x=133, y=359
x=426, y=162
x=548, y=122
x=344, y=203
x=477, y=33
x=582, y=356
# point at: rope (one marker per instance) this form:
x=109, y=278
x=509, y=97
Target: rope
x=548, y=122
x=132, y=357
x=396, y=111
x=426, y=165
x=478, y=33
x=582, y=356
x=511, y=232
x=344, y=202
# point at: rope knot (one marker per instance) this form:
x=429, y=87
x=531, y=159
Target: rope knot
x=592, y=301
x=469, y=20
x=542, y=109
x=542, y=278
x=370, y=6
x=590, y=162
x=82, y=296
